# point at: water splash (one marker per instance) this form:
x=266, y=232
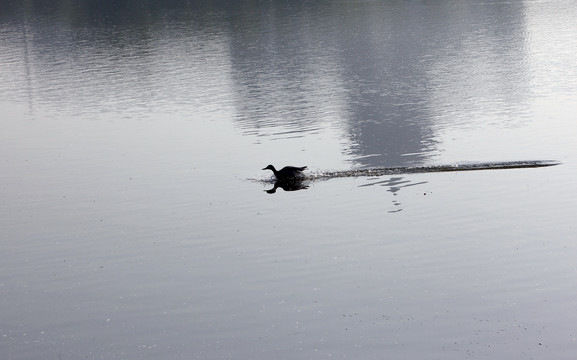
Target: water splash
x=321, y=175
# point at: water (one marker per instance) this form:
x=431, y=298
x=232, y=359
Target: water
x=135, y=220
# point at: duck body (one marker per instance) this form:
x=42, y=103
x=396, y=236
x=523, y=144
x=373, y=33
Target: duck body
x=287, y=172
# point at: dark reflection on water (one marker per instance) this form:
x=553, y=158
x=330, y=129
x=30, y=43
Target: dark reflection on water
x=406, y=59
x=382, y=76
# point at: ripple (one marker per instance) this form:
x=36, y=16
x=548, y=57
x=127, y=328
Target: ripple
x=324, y=175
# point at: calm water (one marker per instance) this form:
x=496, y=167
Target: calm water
x=133, y=213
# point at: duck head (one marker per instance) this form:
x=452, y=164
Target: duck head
x=270, y=167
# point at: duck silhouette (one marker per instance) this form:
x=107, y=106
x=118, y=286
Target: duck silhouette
x=287, y=172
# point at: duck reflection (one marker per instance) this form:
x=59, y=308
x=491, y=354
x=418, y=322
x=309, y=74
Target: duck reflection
x=289, y=185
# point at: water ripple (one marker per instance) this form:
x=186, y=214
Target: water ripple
x=430, y=169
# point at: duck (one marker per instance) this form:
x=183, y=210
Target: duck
x=287, y=172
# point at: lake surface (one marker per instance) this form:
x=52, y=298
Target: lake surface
x=135, y=221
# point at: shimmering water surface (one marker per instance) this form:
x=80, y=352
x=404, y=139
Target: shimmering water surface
x=136, y=222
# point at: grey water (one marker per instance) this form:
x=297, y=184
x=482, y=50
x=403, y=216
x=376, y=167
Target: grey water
x=136, y=222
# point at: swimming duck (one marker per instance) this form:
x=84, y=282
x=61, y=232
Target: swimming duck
x=286, y=172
